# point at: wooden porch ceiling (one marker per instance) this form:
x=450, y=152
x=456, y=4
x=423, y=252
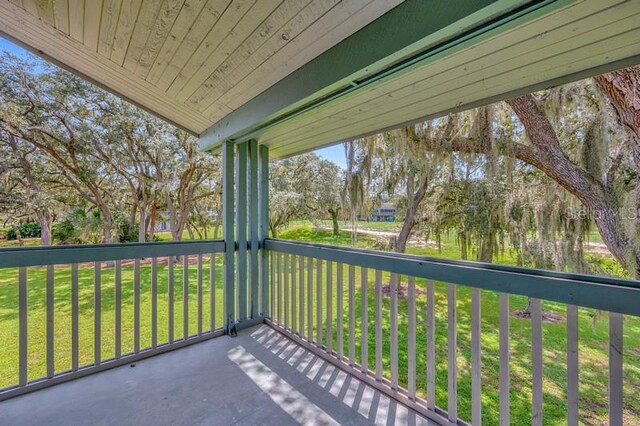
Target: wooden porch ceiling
x=555, y=44
x=300, y=74
x=191, y=62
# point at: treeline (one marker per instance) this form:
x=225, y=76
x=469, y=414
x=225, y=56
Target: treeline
x=89, y=167
x=535, y=174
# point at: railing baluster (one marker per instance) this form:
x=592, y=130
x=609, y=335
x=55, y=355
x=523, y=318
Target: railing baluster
x=118, y=308
x=286, y=300
x=452, y=354
x=536, y=360
x=319, y=302
x=310, y=299
x=97, y=318
x=364, y=320
x=154, y=302
x=74, y=318
x=615, y=369
x=394, y=330
x=378, y=290
x=50, y=324
x=572, y=365
x=170, y=279
x=340, y=311
x=504, y=359
x=272, y=285
x=352, y=316
x=185, y=297
x=476, y=360
x=431, y=348
x=23, y=314
x=136, y=305
x=279, y=288
x=212, y=293
x=411, y=306
x=302, y=301
x=329, y=304
x=199, y=294
x=292, y=309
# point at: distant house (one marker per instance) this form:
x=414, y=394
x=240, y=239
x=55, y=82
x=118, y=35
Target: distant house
x=385, y=213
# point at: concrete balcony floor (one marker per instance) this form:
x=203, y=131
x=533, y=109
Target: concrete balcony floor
x=258, y=377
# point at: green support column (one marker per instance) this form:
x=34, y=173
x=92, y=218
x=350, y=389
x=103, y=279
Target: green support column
x=229, y=236
x=253, y=227
x=241, y=228
x=263, y=226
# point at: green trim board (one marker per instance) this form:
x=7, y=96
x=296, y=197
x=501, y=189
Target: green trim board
x=62, y=255
x=408, y=29
x=609, y=294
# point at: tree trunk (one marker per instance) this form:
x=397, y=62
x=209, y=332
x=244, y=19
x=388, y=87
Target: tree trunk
x=413, y=202
x=152, y=221
x=597, y=198
x=463, y=245
x=107, y=223
x=142, y=228
x=334, y=219
x=46, y=227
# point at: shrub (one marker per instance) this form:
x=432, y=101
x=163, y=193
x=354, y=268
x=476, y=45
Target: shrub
x=64, y=232
x=25, y=230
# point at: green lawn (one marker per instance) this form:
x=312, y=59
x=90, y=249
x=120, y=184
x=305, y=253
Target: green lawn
x=593, y=332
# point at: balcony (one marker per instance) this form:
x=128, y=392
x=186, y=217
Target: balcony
x=332, y=335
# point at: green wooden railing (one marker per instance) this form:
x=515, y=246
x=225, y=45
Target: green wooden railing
x=68, y=311
x=413, y=327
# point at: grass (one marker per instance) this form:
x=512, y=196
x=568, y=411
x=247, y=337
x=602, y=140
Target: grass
x=593, y=331
x=593, y=346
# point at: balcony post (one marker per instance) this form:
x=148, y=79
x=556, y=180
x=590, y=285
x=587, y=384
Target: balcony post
x=254, y=246
x=228, y=209
x=242, y=149
x=263, y=226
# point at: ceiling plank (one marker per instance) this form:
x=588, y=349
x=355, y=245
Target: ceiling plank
x=76, y=20
x=328, y=31
x=31, y=6
x=270, y=28
x=183, y=24
x=146, y=18
x=61, y=15
x=126, y=22
x=92, y=15
x=164, y=22
x=108, y=26
x=164, y=72
x=227, y=22
x=197, y=71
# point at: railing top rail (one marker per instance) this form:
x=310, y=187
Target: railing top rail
x=55, y=255
x=606, y=293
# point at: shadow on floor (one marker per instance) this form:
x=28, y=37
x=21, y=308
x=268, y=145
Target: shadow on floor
x=259, y=377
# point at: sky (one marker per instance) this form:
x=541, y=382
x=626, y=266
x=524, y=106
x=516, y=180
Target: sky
x=333, y=153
